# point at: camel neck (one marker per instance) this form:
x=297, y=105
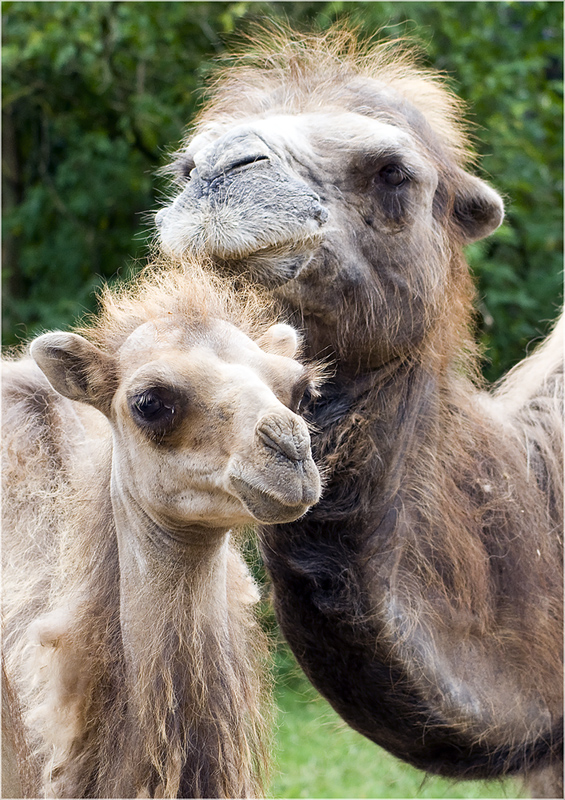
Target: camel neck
x=176, y=629
x=366, y=427
x=151, y=554
x=186, y=566
x=402, y=558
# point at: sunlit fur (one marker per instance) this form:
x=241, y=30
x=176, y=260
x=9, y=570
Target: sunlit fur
x=191, y=717
x=423, y=595
x=291, y=72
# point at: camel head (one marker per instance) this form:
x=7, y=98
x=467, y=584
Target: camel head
x=204, y=424
x=338, y=181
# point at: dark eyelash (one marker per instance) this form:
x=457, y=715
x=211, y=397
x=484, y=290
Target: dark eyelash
x=154, y=410
x=183, y=168
x=301, y=389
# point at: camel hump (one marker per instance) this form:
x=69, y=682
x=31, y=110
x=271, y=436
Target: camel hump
x=39, y=425
x=25, y=384
x=29, y=405
x=538, y=376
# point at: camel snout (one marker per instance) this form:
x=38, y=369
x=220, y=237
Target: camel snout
x=239, y=199
x=238, y=162
x=288, y=436
x=277, y=479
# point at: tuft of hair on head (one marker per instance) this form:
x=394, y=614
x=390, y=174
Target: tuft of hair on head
x=277, y=69
x=186, y=289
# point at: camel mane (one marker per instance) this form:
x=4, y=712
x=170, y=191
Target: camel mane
x=290, y=72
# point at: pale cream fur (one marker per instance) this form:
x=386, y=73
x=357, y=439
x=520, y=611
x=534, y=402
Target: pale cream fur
x=130, y=637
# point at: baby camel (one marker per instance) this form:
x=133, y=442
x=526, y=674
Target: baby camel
x=129, y=454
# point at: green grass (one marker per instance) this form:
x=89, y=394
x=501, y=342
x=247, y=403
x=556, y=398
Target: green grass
x=318, y=756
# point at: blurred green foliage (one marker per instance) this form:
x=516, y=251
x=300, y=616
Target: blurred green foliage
x=94, y=94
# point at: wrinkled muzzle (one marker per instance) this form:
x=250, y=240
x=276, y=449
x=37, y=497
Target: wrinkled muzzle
x=277, y=480
x=241, y=201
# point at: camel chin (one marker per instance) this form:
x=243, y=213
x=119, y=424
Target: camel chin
x=272, y=266
x=266, y=507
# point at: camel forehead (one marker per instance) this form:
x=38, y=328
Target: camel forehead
x=168, y=334
x=205, y=351
x=149, y=340
x=304, y=134
x=231, y=346
x=349, y=132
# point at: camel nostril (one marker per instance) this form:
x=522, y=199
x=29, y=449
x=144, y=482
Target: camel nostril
x=225, y=166
x=292, y=441
x=246, y=162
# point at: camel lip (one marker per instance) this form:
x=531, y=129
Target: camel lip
x=264, y=247
x=265, y=506
x=274, y=265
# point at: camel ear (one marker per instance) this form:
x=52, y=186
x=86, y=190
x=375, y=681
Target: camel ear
x=76, y=368
x=478, y=209
x=281, y=340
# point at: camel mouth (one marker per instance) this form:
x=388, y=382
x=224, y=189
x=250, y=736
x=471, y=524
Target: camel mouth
x=270, y=263
x=262, y=217
x=268, y=508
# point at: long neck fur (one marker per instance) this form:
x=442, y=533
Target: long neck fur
x=192, y=684
x=430, y=569
x=172, y=706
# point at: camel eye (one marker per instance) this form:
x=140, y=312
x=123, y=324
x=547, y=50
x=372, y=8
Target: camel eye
x=393, y=175
x=149, y=405
x=153, y=408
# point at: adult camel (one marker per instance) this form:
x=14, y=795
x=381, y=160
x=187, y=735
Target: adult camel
x=423, y=594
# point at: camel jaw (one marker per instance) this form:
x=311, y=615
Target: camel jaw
x=273, y=266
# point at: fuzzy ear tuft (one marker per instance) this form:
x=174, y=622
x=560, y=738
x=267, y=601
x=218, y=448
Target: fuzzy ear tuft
x=478, y=209
x=281, y=340
x=76, y=368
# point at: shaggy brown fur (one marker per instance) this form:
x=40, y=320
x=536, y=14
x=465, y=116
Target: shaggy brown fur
x=138, y=676
x=423, y=595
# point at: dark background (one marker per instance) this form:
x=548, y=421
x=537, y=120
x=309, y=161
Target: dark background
x=96, y=94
